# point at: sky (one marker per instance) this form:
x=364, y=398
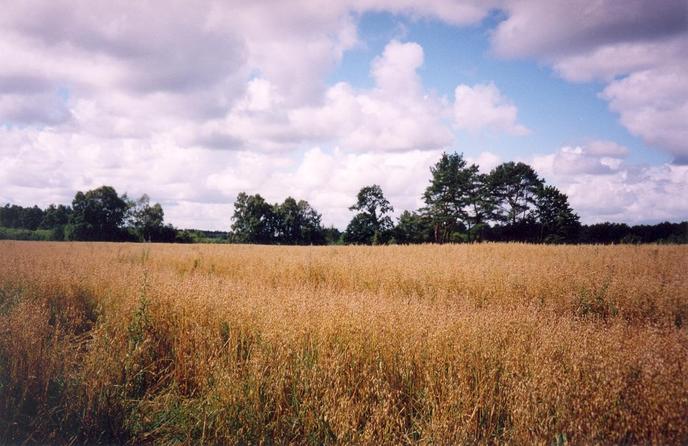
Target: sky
x=194, y=102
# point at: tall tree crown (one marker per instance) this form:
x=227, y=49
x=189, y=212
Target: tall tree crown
x=372, y=224
x=514, y=186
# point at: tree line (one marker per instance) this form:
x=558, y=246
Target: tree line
x=510, y=203
x=96, y=215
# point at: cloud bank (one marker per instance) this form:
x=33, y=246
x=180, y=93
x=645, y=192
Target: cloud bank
x=193, y=103
x=602, y=186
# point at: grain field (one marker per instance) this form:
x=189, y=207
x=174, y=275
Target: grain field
x=434, y=344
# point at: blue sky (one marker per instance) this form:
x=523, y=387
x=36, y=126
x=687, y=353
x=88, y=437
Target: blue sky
x=194, y=103
x=559, y=112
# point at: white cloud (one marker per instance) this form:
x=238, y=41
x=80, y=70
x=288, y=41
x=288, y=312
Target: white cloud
x=47, y=166
x=395, y=115
x=135, y=95
x=482, y=106
x=653, y=104
x=638, y=47
x=197, y=186
x=606, y=188
x=486, y=161
x=604, y=148
x=395, y=70
x=554, y=28
x=598, y=157
x=261, y=95
x=573, y=161
x=157, y=141
x=607, y=62
x=330, y=181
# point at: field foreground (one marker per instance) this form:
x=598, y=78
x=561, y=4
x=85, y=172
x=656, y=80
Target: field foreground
x=132, y=343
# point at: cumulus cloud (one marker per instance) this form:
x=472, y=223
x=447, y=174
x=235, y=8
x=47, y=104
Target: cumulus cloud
x=605, y=148
x=194, y=58
x=197, y=186
x=329, y=180
x=607, y=62
x=482, y=106
x=602, y=187
x=638, y=47
x=194, y=102
x=598, y=157
x=653, y=104
x=558, y=27
x=175, y=167
x=574, y=161
x=395, y=70
x=486, y=161
x=395, y=115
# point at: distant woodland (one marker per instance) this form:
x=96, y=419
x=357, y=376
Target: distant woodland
x=462, y=205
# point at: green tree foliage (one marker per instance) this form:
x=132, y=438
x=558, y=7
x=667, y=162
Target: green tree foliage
x=607, y=232
x=25, y=234
x=372, y=224
x=444, y=198
x=457, y=197
x=146, y=222
x=413, y=227
x=13, y=216
x=461, y=203
x=253, y=220
x=47, y=225
x=481, y=206
x=55, y=216
x=55, y=219
x=97, y=214
x=514, y=187
x=9, y=216
x=32, y=218
x=360, y=230
x=558, y=223
x=298, y=223
x=292, y=222
x=510, y=204
x=183, y=236
x=333, y=236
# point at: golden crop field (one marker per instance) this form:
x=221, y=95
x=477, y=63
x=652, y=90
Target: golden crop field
x=450, y=344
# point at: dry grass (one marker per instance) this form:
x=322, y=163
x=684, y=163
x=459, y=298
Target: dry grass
x=386, y=345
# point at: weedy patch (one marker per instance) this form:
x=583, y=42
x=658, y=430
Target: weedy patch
x=596, y=303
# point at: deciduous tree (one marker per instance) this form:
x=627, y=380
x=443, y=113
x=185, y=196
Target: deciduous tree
x=558, y=223
x=253, y=220
x=298, y=223
x=372, y=224
x=97, y=214
x=147, y=222
x=413, y=227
